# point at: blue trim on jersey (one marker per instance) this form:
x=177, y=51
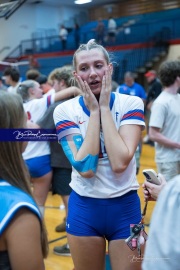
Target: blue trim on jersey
x=112, y=99
x=13, y=199
x=64, y=125
x=85, y=109
x=134, y=114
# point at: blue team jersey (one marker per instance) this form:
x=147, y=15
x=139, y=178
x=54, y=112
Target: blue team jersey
x=72, y=117
x=134, y=90
x=11, y=200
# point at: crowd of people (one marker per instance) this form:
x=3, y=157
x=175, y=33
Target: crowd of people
x=92, y=166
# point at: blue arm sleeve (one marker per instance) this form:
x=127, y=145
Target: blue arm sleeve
x=88, y=163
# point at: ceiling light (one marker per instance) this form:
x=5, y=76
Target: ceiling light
x=80, y=2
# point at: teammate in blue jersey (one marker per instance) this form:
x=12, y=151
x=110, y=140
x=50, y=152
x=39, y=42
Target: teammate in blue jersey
x=23, y=239
x=99, y=133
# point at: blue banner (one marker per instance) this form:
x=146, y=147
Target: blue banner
x=28, y=135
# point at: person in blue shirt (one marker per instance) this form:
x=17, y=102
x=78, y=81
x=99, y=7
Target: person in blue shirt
x=130, y=87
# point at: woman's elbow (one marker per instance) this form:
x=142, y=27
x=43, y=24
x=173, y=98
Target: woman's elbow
x=88, y=174
x=119, y=168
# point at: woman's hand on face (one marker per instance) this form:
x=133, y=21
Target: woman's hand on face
x=89, y=98
x=106, y=88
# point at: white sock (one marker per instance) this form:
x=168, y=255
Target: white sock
x=41, y=209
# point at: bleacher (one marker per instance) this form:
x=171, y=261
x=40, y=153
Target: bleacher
x=141, y=27
x=48, y=64
x=152, y=31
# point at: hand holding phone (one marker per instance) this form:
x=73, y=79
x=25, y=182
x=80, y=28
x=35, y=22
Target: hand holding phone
x=152, y=176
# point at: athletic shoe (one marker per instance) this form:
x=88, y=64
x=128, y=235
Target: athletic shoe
x=61, y=227
x=62, y=250
x=151, y=143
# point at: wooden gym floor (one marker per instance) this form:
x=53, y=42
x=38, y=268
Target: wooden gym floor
x=54, y=215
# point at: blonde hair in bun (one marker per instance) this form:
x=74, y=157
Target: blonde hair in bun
x=91, y=44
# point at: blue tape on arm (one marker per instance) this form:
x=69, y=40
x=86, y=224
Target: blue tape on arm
x=78, y=140
x=86, y=164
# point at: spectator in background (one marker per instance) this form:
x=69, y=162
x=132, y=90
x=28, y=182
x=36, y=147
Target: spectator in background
x=162, y=250
x=32, y=74
x=130, y=87
x=63, y=33
x=111, y=29
x=33, y=62
x=2, y=86
x=164, y=124
x=153, y=91
x=12, y=78
x=154, y=87
x=100, y=31
x=37, y=153
x=44, y=84
x=62, y=169
x=76, y=35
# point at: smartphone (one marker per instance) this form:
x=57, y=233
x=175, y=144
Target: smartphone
x=151, y=176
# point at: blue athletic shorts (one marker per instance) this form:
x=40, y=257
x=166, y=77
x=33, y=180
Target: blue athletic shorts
x=107, y=218
x=39, y=166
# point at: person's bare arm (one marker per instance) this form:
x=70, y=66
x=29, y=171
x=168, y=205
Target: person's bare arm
x=67, y=93
x=90, y=144
x=24, y=242
x=156, y=135
x=120, y=146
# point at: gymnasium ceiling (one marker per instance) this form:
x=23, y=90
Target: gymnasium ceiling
x=8, y=7
x=71, y=2
x=60, y=2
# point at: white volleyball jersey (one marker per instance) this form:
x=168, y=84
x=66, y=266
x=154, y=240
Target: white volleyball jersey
x=72, y=117
x=35, y=110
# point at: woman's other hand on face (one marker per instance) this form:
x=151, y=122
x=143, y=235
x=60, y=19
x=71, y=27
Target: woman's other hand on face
x=106, y=88
x=89, y=98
